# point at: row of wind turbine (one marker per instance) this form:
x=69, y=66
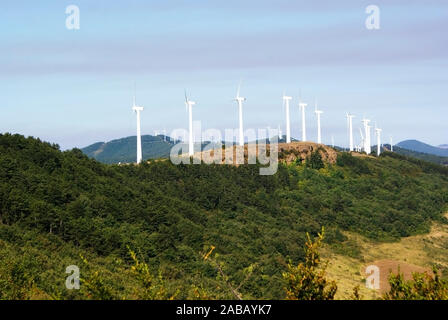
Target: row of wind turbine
x=364, y=145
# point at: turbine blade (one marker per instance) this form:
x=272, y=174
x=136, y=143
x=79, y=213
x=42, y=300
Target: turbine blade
x=239, y=88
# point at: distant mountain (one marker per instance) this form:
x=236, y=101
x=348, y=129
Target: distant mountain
x=443, y=146
x=419, y=155
x=419, y=146
x=124, y=150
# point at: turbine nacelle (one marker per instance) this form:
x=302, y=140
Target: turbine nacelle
x=137, y=108
x=350, y=115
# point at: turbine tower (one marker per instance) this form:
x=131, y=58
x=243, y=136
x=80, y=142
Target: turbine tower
x=239, y=101
x=189, y=105
x=302, y=106
x=367, y=143
x=137, y=110
x=378, y=140
x=391, y=145
x=350, y=129
x=319, y=133
x=286, y=100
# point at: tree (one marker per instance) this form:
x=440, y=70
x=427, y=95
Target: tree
x=421, y=287
x=307, y=281
x=151, y=288
x=315, y=160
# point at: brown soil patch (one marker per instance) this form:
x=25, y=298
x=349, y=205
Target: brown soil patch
x=288, y=152
x=386, y=267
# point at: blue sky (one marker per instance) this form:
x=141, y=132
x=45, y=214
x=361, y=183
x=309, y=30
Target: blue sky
x=74, y=87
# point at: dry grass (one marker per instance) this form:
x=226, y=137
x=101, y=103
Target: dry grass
x=411, y=254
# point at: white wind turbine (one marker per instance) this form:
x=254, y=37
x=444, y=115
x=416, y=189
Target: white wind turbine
x=362, y=144
x=350, y=129
x=189, y=105
x=302, y=106
x=286, y=100
x=367, y=142
x=378, y=140
x=239, y=101
x=137, y=110
x=318, y=113
x=391, y=145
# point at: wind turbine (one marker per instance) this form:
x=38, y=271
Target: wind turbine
x=318, y=113
x=391, y=145
x=362, y=144
x=367, y=143
x=137, y=110
x=302, y=106
x=350, y=129
x=239, y=101
x=378, y=140
x=189, y=105
x=286, y=100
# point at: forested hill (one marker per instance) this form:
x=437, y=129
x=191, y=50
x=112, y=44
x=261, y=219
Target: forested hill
x=123, y=150
x=56, y=206
x=423, y=156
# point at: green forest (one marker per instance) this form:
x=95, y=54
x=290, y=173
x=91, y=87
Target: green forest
x=187, y=231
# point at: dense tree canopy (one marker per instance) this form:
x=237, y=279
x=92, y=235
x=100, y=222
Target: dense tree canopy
x=55, y=205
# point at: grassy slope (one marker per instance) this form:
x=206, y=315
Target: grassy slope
x=421, y=250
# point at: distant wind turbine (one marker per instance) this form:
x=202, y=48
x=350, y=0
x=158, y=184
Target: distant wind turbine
x=367, y=142
x=137, y=110
x=362, y=143
x=378, y=140
x=318, y=113
x=350, y=129
x=239, y=101
x=302, y=106
x=189, y=105
x=286, y=100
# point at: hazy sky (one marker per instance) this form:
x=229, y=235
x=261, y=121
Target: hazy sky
x=74, y=87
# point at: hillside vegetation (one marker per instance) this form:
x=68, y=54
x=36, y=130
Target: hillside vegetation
x=197, y=226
